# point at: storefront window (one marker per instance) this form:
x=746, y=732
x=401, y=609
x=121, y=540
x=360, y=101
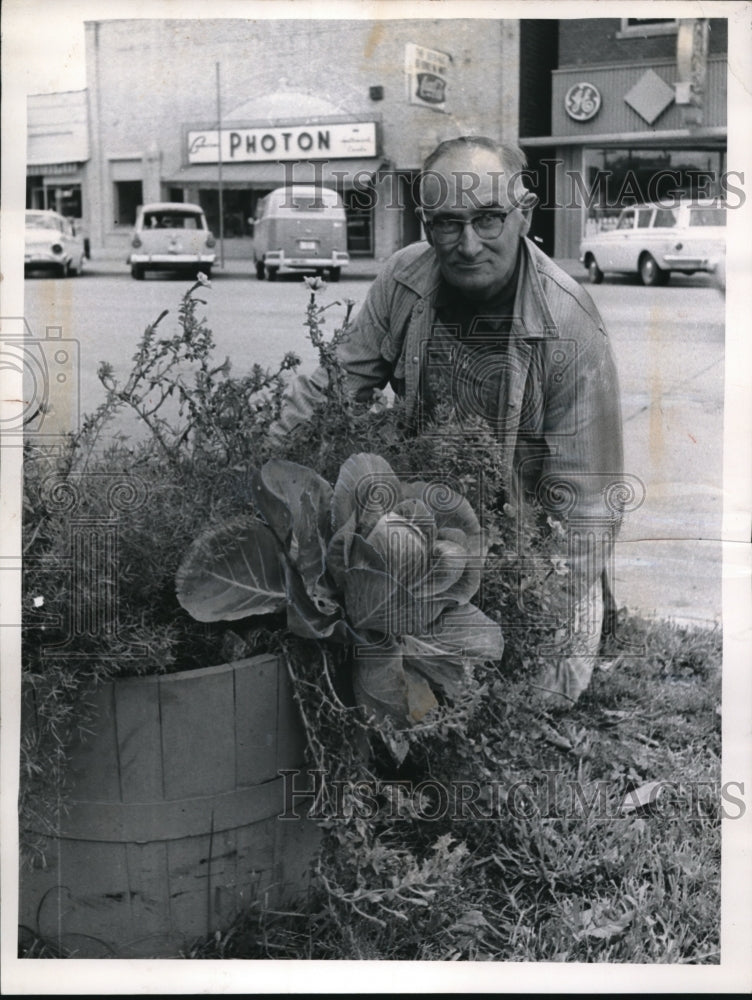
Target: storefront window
x=65, y=200
x=617, y=178
x=237, y=208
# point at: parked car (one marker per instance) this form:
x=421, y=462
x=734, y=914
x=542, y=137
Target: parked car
x=52, y=244
x=301, y=228
x=654, y=240
x=171, y=236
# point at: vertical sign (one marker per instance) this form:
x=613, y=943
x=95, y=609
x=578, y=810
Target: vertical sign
x=427, y=73
x=692, y=40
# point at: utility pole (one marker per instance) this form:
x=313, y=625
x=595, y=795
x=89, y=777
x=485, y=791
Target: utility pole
x=219, y=173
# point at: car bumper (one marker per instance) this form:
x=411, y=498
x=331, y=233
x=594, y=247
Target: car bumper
x=280, y=260
x=40, y=259
x=171, y=260
x=675, y=262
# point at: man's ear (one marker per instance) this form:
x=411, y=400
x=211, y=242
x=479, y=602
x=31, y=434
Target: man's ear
x=527, y=204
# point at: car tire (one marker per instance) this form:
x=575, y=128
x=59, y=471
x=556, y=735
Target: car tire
x=137, y=272
x=271, y=273
x=595, y=275
x=334, y=273
x=650, y=274
x=260, y=270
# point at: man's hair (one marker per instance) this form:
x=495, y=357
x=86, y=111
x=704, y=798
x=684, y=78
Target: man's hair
x=511, y=158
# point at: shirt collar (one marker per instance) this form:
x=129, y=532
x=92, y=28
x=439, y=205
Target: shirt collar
x=532, y=315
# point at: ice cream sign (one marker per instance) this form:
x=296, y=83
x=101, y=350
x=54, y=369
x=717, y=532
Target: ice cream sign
x=427, y=72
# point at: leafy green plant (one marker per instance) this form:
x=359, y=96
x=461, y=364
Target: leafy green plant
x=381, y=565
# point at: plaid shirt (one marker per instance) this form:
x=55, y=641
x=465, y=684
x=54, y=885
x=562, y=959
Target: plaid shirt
x=558, y=419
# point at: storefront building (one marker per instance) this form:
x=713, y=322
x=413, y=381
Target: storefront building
x=644, y=119
x=247, y=106
x=57, y=152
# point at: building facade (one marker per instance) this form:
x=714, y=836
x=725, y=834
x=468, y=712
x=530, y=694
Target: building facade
x=625, y=110
x=226, y=110
x=57, y=152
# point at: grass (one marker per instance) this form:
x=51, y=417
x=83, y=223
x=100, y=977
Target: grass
x=558, y=874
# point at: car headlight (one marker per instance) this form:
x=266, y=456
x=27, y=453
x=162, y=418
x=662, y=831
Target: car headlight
x=56, y=248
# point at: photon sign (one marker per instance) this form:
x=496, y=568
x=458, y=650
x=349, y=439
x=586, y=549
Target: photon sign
x=284, y=142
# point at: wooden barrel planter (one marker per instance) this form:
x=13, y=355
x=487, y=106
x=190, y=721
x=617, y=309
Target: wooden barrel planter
x=172, y=827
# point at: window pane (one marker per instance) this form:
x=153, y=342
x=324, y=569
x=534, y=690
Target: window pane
x=643, y=218
x=664, y=218
x=636, y=22
x=707, y=217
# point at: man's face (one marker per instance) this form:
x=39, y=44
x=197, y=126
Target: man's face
x=461, y=186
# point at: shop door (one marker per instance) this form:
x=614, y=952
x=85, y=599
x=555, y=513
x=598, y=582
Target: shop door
x=359, y=204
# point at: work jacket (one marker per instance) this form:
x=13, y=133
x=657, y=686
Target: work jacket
x=559, y=423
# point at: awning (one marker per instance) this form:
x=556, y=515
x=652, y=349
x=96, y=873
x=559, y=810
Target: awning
x=345, y=173
x=50, y=169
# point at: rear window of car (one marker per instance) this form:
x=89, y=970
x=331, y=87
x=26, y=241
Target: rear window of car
x=173, y=220
x=664, y=218
x=707, y=217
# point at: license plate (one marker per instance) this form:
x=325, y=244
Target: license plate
x=307, y=245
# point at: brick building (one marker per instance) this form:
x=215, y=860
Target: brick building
x=354, y=104
x=619, y=110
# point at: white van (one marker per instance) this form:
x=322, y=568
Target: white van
x=300, y=228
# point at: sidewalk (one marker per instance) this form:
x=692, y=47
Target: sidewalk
x=238, y=258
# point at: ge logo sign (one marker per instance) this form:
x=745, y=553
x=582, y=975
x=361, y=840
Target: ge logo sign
x=582, y=101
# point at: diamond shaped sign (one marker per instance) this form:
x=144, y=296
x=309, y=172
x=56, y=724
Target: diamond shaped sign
x=650, y=96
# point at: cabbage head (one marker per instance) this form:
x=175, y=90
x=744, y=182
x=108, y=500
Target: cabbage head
x=384, y=566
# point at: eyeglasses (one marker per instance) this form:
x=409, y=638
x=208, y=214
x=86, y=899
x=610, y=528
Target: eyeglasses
x=487, y=225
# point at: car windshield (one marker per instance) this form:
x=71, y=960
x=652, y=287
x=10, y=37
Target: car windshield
x=35, y=220
x=173, y=220
x=707, y=217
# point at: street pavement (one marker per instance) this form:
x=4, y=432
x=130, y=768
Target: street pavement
x=669, y=345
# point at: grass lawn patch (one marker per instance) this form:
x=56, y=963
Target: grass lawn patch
x=594, y=836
